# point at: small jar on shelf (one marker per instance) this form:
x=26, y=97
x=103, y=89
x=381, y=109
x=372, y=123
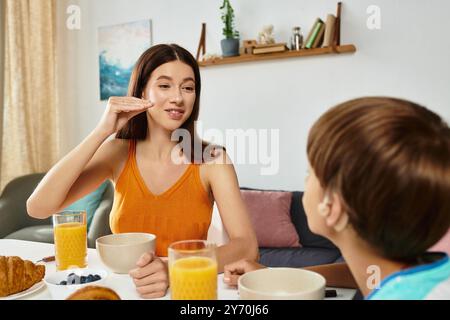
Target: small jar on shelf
x=296, y=39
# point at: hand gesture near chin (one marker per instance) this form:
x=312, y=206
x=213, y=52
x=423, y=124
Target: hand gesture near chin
x=119, y=111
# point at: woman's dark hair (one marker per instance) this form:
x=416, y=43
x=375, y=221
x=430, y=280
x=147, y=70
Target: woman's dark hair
x=389, y=160
x=137, y=127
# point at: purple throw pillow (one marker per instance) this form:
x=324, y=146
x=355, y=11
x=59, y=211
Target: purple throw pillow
x=270, y=215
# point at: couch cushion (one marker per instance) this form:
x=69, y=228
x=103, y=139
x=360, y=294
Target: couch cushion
x=43, y=233
x=89, y=203
x=297, y=257
x=270, y=215
x=298, y=216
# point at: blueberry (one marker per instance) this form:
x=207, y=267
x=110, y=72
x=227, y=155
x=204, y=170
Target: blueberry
x=83, y=279
x=63, y=283
x=74, y=279
x=71, y=278
x=97, y=277
x=90, y=278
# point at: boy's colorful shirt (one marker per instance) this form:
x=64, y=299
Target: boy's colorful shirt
x=426, y=281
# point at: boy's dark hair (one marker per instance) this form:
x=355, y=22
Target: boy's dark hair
x=389, y=160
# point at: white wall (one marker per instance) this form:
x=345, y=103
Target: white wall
x=408, y=57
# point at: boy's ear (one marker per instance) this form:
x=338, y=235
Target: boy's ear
x=337, y=218
x=324, y=207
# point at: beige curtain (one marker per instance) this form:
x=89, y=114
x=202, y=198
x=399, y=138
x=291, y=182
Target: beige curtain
x=2, y=73
x=30, y=135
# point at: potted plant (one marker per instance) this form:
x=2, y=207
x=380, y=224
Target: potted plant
x=230, y=45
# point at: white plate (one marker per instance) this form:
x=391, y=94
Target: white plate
x=61, y=292
x=24, y=293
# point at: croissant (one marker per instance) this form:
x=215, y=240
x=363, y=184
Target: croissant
x=94, y=293
x=17, y=275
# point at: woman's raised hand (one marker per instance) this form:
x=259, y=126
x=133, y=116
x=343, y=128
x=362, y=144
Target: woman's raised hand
x=119, y=110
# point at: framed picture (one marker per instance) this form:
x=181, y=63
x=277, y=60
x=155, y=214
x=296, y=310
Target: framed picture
x=119, y=48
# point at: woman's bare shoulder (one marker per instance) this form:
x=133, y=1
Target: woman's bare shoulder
x=117, y=150
x=213, y=165
x=114, y=148
x=117, y=144
x=217, y=155
x=219, y=165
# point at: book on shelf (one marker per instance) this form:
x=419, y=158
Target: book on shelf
x=314, y=33
x=329, y=31
x=319, y=38
x=337, y=28
x=307, y=39
x=268, y=48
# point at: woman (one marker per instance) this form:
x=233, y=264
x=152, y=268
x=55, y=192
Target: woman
x=379, y=188
x=161, y=186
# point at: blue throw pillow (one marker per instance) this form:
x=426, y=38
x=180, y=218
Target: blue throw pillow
x=90, y=203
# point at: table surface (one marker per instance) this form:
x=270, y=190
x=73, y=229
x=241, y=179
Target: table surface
x=121, y=283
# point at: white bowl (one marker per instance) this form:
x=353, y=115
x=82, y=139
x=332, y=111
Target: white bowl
x=61, y=292
x=120, y=252
x=281, y=284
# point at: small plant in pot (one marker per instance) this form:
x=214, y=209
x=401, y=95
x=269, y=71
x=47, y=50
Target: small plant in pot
x=230, y=45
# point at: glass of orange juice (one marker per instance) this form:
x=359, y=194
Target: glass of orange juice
x=70, y=234
x=193, y=270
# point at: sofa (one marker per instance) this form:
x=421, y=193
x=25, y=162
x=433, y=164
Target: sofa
x=15, y=223
x=314, y=249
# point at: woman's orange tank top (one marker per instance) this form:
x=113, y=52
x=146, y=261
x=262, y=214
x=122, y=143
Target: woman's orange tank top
x=183, y=212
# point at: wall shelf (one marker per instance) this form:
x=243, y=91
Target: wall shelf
x=279, y=55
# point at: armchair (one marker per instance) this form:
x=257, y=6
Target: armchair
x=15, y=223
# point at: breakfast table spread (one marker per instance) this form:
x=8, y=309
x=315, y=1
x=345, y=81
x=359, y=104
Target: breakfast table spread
x=120, y=283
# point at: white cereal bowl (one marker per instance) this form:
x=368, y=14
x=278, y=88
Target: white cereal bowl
x=120, y=252
x=61, y=292
x=281, y=284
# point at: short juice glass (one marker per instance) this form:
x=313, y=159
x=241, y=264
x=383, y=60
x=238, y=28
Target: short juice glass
x=70, y=234
x=193, y=270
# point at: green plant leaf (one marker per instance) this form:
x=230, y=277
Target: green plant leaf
x=228, y=20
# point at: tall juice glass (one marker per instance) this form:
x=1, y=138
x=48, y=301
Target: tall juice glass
x=193, y=270
x=70, y=239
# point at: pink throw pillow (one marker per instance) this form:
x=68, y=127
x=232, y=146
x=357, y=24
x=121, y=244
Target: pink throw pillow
x=270, y=214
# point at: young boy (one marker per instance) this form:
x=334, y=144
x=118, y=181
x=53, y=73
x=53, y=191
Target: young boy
x=379, y=188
